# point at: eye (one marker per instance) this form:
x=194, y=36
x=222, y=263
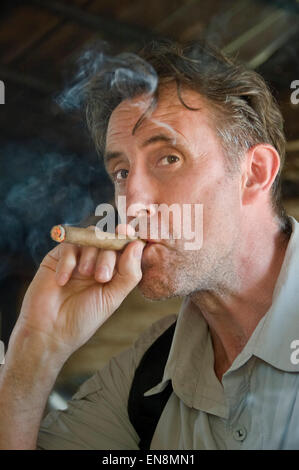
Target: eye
x=169, y=159
x=120, y=175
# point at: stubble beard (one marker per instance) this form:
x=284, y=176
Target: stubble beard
x=185, y=273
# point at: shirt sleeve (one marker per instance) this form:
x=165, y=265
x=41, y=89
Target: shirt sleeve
x=97, y=416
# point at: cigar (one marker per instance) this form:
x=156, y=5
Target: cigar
x=88, y=237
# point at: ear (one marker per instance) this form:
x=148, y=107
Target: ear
x=261, y=166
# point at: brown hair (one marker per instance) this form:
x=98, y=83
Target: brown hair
x=244, y=110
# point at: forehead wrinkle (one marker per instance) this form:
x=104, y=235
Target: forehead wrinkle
x=167, y=118
x=170, y=125
x=165, y=112
x=130, y=113
x=149, y=129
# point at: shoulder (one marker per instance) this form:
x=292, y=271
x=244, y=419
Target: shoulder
x=97, y=415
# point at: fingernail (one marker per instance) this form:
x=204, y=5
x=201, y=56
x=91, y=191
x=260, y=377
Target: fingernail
x=103, y=273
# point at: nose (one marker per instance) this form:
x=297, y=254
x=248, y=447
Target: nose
x=141, y=193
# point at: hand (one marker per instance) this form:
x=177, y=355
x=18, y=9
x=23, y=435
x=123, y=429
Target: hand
x=76, y=289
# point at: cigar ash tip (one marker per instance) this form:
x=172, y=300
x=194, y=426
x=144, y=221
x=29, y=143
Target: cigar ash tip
x=58, y=233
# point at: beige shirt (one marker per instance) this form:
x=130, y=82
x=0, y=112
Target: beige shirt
x=255, y=406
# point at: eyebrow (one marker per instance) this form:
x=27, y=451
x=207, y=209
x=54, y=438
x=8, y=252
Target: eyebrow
x=152, y=140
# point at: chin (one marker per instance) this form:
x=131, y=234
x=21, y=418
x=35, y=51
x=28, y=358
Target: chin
x=152, y=288
x=165, y=274
x=156, y=285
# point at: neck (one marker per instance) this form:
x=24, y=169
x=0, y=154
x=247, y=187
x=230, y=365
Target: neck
x=234, y=311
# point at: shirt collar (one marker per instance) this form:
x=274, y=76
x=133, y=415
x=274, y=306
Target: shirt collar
x=280, y=326
x=190, y=364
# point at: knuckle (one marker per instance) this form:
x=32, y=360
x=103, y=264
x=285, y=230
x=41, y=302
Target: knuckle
x=87, y=260
x=66, y=249
x=67, y=261
x=54, y=251
x=106, y=257
x=88, y=252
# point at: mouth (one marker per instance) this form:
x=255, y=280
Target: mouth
x=157, y=242
x=168, y=243
x=152, y=242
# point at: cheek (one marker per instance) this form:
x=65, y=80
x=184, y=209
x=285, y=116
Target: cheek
x=221, y=210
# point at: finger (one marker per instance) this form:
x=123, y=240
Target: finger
x=125, y=229
x=66, y=263
x=51, y=258
x=105, y=265
x=88, y=258
x=128, y=273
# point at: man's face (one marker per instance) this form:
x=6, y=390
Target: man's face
x=174, y=157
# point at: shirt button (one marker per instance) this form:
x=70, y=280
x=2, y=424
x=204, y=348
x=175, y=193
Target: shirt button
x=240, y=433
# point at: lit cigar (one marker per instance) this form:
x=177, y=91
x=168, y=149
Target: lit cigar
x=88, y=237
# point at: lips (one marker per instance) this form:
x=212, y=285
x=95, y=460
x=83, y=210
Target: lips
x=150, y=242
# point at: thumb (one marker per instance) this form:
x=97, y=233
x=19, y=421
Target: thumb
x=128, y=273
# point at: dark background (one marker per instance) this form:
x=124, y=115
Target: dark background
x=49, y=171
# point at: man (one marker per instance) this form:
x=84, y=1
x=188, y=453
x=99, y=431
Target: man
x=210, y=134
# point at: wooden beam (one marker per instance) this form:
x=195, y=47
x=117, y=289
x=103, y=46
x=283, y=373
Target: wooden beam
x=257, y=44
x=268, y=50
x=7, y=74
x=109, y=27
x=292, y=146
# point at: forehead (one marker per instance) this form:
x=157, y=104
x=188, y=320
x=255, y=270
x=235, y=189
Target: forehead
x=169, y=113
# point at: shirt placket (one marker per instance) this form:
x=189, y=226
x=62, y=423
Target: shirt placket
x=238, y=423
